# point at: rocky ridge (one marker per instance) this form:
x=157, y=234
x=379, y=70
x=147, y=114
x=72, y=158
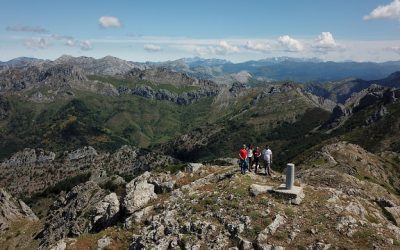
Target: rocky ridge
x=216, y=207
x=107, y=65
x=374, y=95
x=34, y=170
x=165, y=95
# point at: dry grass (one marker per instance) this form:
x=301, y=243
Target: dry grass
x=21, y=235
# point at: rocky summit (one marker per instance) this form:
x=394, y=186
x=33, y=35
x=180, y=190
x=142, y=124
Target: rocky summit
x=110, y=154
x=216, y=207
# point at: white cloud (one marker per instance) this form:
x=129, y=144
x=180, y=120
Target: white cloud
x=36, y=43
x=70, y=43
x=26, y=28
x=395, y=49
x=151, y=48
x=290, y=44
x=389, y=11
x=204, y=50
x=225, y=48
x=109, y=22
x=325, y=42
x=85, y=45
x=258, y=46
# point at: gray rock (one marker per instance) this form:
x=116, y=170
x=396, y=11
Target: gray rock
x=106, y=211
x=193, y=167
x=320, y=246
x=138, y=193
x=256, y=189
x=262, y=236
x=98, y=175
x=104, y=242
x=271, y=228
x=347, y=225
x=73, y=214
x=278, y=221
x=378, y=115
x=60, y=245
x=12, y=209
x=85, y=152
x=138, y=217
x=235, y=229
x=245, y=244
x=163, y=183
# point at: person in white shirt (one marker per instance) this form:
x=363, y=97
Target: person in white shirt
x=250, y=156
x=267, y=157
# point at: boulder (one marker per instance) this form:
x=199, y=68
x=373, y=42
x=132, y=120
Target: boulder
x=271, y=228
x=163, y=183
x=256, y=189
x=13, y=209
x=106, y=211
x=138, y=217
x=193, y=167
x=103, y=243
x=138, y=193
x=60, y=245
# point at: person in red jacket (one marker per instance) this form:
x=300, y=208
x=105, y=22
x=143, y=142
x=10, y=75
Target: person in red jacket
x=256, y=155
x=243, y=159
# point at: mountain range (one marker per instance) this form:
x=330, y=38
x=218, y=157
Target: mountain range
x=110, y=153
x=271, y=69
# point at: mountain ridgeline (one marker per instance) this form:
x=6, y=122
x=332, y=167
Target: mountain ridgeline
x=106, y=103
x=106, y=142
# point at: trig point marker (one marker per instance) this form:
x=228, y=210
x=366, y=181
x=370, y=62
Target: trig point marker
x=289, y=176
x=288, y=190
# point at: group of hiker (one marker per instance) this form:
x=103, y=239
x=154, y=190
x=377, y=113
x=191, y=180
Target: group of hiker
x=249, y=157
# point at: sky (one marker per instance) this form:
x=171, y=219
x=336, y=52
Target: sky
x=235, y=30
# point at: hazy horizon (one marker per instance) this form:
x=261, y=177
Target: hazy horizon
x=237, y=31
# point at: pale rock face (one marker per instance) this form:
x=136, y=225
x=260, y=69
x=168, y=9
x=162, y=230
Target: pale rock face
x=138, y=217
x=30, y=156
x=278, y=221
x=103, y=243
x=193, y=167
x=74, y=213
x=163, y=183
x=82, y=153
x=106, y=210
x=271, y=229
x=139, y=193
x=256, y=189
x=12, y=209
x=60, y=245
x=347, y=225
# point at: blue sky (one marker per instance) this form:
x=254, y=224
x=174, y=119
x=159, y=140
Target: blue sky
x=367, y=30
